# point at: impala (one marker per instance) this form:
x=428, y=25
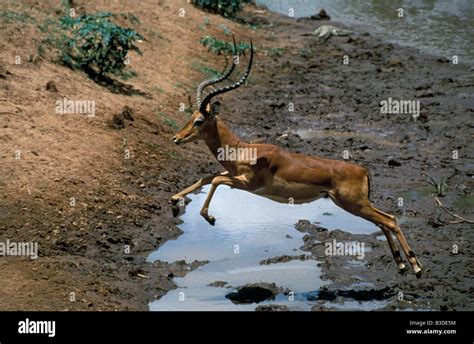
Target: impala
x=281, y=175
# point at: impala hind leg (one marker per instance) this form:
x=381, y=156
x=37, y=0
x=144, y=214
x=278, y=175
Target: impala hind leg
x=394, y=249
x=410, y=255
x=388, y=224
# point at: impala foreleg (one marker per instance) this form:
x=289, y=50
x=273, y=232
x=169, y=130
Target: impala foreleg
x=200, y=183
x=239, y=182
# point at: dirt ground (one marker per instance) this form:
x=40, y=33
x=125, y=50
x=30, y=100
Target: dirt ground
x=125, y=202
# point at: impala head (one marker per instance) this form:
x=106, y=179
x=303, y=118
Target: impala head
x=204, y=118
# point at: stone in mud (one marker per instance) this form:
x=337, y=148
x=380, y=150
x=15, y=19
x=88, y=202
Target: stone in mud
x=255, y=293
x=118, y=120
x=272, y=308
x=394, y=62
x=356, y=294
x=217, y=284
x=306, y=226
x=51, y=86
x=283, y=259
x=322, y=15
x=4, y=72
x=394, y=163
x=127, y=113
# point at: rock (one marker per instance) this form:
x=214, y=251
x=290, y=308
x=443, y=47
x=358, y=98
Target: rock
x=127, y=113
x=322, y=15
x=118, y=120
x=272, y=308
x=306, y=226
x=4, y=72
x=356, y=294
x=394, y=63
x=255, y=293
x=51, y=86
x=217, y=284
x=283, y=259
x=394, y=163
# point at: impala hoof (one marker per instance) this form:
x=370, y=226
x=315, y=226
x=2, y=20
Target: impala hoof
x=175, y=210
x=211, y=220
x=418, y=271
x=402, y=269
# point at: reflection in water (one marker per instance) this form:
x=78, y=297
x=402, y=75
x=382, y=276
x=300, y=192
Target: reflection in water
x=248, y=229
x=440, y=27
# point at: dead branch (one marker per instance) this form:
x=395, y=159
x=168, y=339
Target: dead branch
x=445, y=209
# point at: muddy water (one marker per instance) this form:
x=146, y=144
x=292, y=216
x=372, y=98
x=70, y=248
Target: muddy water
x=369, y=136
x=440, y=27
x=248, y=229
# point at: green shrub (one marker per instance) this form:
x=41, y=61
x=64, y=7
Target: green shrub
x=93, y=43
x=226, y=8
x=220, y=47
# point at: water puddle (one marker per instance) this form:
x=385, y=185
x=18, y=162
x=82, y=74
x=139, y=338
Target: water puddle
x=248, y=230
x=416, y=193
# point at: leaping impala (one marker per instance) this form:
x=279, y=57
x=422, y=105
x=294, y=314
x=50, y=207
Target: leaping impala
x=281, y=175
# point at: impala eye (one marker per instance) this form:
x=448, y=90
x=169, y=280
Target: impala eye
x=198, y=122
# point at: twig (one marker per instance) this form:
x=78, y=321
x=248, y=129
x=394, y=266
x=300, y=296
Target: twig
x=10, y=103
x=445, y=209
x=10, y=113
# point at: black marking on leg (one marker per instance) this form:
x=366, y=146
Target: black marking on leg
x=411, y=254
x=396, y=255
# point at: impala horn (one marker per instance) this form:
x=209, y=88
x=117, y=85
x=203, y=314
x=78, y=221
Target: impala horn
x=207, y=99
x=209, y=82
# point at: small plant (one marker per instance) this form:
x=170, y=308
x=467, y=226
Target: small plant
x=172, y=123
x=131, y=17
x=220, y=47
x=225, y=29
x=211, y=72
x=168, y=121
x=93, y=43
x=173, y=155
x=11, y=16
x=275, y=52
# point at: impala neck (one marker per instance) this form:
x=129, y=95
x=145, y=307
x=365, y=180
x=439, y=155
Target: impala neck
x=220, y=136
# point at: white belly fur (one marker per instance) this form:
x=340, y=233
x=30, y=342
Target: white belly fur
x=288, y=192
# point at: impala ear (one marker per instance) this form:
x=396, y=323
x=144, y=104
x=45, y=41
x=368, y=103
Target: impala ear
x=215, y=106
